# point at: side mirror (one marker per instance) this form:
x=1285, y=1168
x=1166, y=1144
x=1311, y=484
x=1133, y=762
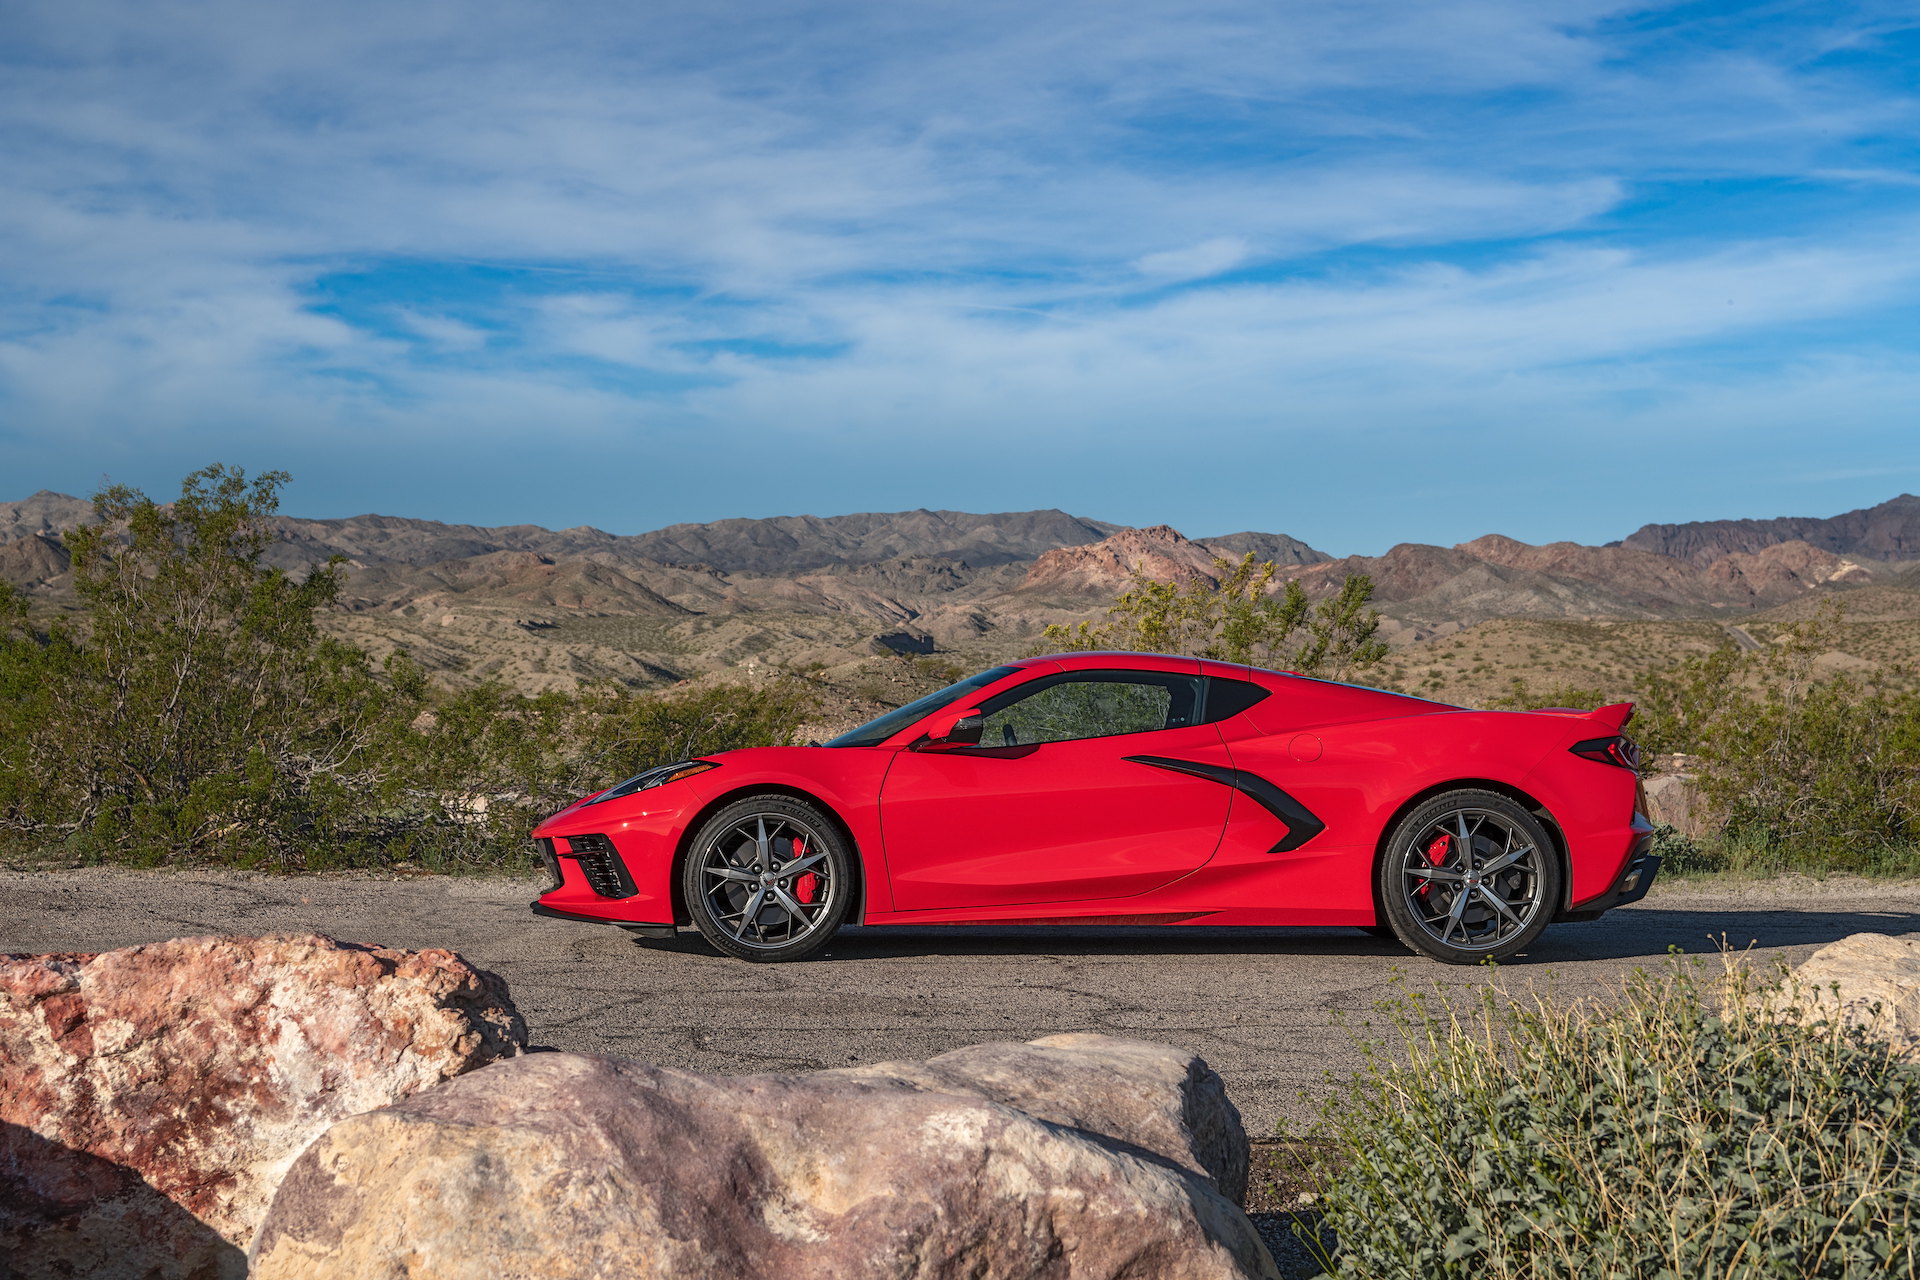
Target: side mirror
x=952, y=729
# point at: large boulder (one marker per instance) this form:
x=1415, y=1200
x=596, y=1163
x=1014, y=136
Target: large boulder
x=976, y=1164
x=1149, y=1095
x=151, y=1098
x=1867, y=980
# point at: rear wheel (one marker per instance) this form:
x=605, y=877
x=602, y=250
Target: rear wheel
x=1469, y=876
x=768, y=878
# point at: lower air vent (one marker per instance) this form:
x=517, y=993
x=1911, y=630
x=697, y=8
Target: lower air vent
x=600, y=864
x=552, y=864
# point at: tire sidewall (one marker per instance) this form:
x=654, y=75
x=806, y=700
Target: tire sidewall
x=839, y=859
x=1393, y=858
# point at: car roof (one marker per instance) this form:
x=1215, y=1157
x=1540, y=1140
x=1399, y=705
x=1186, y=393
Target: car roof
x=1083, y=660
x=1109, y=659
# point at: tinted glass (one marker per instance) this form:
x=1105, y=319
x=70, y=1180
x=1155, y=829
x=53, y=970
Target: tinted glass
x=1230, y=697
x=878, y=730
x=1089, y=704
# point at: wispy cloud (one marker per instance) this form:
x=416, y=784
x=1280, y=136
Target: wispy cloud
x=819, y=231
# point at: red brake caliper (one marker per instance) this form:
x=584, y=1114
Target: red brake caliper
x=808, y=883
x=1436, y=852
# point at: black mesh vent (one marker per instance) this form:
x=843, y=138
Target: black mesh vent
x=600, y=864
x=552, y=864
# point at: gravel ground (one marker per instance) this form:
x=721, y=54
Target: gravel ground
x=1257, y=1004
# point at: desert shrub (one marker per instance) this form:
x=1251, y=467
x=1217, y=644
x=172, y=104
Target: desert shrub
x=1238, y=616
x=1660, y=1134
x=1521, y=696
x=1679, y=853
x=197, y=706
x=493, y=762
x=196, y=711
x=1798, y=771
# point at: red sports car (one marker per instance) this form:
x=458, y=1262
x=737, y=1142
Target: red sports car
x=1126, y=788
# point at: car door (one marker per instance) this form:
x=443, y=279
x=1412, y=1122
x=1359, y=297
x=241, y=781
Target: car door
x=1049, y=807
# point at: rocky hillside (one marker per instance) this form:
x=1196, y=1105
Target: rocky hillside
x=1890, y=531
x=545, y=608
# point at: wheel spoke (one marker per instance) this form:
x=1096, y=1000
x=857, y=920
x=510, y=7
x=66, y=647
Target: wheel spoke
x=1454, y=920
x=802, y=864
x=763, y=847
x=1443, y=874
x=794, y=906
x=1466, y=842
x=1500, y=904
x=1505, y=860
x=730, y=873
x=751, y=915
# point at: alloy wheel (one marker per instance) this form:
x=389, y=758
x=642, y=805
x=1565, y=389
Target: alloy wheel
x=1472, y=879
x=768, y=881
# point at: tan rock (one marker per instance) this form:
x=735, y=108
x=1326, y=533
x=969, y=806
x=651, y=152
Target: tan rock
x=557, y=1165
x=1675, y=799
x=1866, y=980
x=151, y=1098
x=1149, y=1095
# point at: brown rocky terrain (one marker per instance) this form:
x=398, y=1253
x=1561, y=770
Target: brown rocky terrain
x=1104, y=568
x=1889, y=531
x=844, y=595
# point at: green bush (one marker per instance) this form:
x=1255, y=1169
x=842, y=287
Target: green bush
x=1799, y=772
x=1237, y=616
x=1665, y=1133
x=195, y=711
x=493, y=762
x=197, y=705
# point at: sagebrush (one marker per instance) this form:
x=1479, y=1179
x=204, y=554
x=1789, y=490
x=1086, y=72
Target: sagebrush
x=196, y=712
x=1680, y=1129
x=1238, y=615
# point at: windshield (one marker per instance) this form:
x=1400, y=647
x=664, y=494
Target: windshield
x=876, y=731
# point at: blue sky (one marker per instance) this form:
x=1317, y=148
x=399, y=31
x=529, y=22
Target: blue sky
x=1359, y=272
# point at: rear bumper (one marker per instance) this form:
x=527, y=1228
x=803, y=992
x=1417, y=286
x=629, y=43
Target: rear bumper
x=1635, y=878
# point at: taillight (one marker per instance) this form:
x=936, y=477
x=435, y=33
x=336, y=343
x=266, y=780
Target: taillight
x=1615, y=750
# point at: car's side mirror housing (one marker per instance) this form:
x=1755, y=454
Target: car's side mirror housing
x=952, y=729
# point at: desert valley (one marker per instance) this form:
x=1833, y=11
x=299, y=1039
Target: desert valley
x=874, y=608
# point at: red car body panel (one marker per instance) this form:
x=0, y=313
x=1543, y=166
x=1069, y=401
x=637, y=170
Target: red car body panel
x=1170, y=826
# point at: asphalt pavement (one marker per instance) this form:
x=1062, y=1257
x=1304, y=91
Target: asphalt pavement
x=1260, y=1005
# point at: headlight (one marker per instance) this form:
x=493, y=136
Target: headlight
x=655, y=777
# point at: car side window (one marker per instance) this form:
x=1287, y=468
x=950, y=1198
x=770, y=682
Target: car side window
x=1089, y=704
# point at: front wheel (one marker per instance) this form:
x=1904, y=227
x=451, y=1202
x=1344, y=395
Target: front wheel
x=768, y=878
x=1469, y=876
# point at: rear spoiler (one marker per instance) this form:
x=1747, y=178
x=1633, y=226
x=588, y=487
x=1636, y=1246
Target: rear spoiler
x=1613, y=717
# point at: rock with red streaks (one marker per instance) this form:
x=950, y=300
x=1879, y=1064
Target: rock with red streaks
x=152, y=1097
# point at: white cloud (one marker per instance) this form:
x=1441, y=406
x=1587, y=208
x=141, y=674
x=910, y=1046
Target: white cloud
x=1196, y=262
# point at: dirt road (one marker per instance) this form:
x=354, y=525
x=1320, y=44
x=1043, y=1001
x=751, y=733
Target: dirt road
x=1257, y=1004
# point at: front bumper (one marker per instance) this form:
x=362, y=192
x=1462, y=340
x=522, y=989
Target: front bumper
x=607, y=880
x=642, y=928
x=1635, y=878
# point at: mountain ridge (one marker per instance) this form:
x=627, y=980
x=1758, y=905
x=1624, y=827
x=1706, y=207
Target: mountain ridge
x=545, y=608
x=1888, y=530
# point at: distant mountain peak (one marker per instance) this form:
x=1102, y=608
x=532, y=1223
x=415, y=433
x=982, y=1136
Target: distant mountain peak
x=1889, y=531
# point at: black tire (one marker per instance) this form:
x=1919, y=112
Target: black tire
x=1488, y=905
x=743, y=891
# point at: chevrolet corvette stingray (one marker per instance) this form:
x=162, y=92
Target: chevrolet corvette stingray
x=1126, y=788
